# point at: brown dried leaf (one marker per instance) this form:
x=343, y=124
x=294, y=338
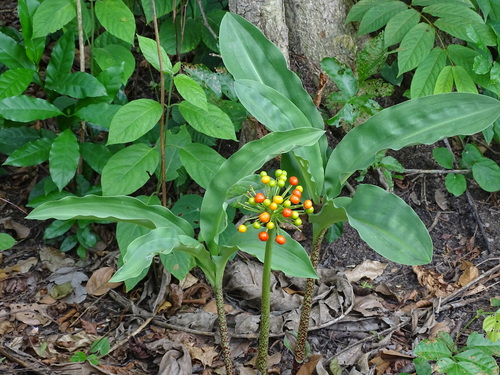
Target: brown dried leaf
x=309, y=367
x=433, y=281
x=89, y=327
x=22, y=266
x=99, y=284
x=30, y=313
x=22, y=231
x=204, y=354
x=53, y=259
x=370, y=269
x=471, y=272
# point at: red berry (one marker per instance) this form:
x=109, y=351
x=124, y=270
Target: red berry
x=263, y=236
x=280, y=239
x=286, y=212
x=297, y=192
x=259, y=197
x=295, y=199
x=293, y=180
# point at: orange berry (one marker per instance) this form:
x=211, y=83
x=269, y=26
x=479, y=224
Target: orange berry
x=263, y=236
x=308, y=204
x=293, y=180
x=280, y=239
x=259, y=197
x=295, y=199
x=264, y=217
x=287, y=212
x=297, y=192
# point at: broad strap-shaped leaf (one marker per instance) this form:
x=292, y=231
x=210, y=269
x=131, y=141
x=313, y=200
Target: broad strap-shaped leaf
x=248, y=54
x=378, y=16
x=52, y=15
x=386, y=223
x=179, y=263
x=399, y=25
x=201, y=162
x=150, y=51
x=325, y=218
x=214, y=122
x=26, y=109
x=290, y=258
x=63, y=158
x=129, y=169
x=117, y=18
x=133, y=120
x=118, y=209
x=61, y=59
x=427, y=72
x=13, y=55
x=191, y=91
x=31, y=153
x=141, y=251
x=14, y=81
x=463, y=82
x=415, y=47
x=278, y=113
x=78, y=85
x=358, y=10
x=418, y=121
x=243, y=163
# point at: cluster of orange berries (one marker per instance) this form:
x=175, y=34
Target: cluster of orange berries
x=276, y=206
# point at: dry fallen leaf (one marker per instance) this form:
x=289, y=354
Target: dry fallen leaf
x=471, y=272
x=22, y=231
x=370, y=269
x=99, y=284
x=53, y=259
x=32, y=314
x=309, y=367
x=204, y=354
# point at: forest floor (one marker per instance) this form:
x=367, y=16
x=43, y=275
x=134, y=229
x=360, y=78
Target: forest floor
x=369, y=313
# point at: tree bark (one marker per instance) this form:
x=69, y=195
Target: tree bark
x=306, y=31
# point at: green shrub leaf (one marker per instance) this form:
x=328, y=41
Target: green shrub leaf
x=443, y=157
x=415, y=47
x=201, y=162
x=26, y=109
x=96, y=155
x=117, y=18
x=129, y=169
x=399, y=25
x=173, y=41
x=444, y=82
x=6, y=241
x=63, y=158
x=342, y=75
x=78, y=85
x=150, y=51
x=32, y=153
x=358, y=10
x=455, y=184
x=378, y=16
x=487, y=174
x=61, y=59
x=161, y=7
x=12, y=54
x=134, y=120
x=427, y=72
x=115, y=55
x=191, y=91
x=463, y=81
x=14, y=81
x=213, y=122
x=490, y=345
x=52, y=15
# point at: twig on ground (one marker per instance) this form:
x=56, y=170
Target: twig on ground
x=25, y=360
x=436, y=171
x=479, y=222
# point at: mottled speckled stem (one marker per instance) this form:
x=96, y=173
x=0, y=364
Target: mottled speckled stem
x=265, y=307
x=224, y=334
x=305, y=311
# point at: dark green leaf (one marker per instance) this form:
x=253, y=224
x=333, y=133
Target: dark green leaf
x=13, y=55
x=117, y=18
x=115, y=55
x=98, y=114
x=61, y=59
x=6, y=241
x=178, y=263
x=161, y=7
x=32, y=153
x=188, y=207
x=378, y=16
x=191, y=91
x=52, y=15
x=78, y=85
x=14, y=81
x=172, y=39
x=415, y=47
x=427, y=72
x=63, y=158
x=57, y=228
x=342, y=75
x=443, y=157
x=487, y=174
x=96, y=155
x=357, y=12
x=399, y=25
x=201, y=162
x=26, y=109
x=455, y=184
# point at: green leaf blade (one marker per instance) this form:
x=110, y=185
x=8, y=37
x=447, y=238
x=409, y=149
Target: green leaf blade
x=386, y=223
x=63, y=158
x=32, y=153
x=52, y=15
x=399, y=25
x=378, y=16
x=201, y=162
x=129, y=169
x=444, y=82
x=191, y=91
x=487, y=174
x=27, y=109
x=432, y=118
x=150, y=51
x=14, y=82
x=134, y=120
x=117, y=18
x=427, y=73
x=415, y=47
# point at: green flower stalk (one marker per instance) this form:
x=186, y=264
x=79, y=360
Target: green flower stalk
x=277, y=205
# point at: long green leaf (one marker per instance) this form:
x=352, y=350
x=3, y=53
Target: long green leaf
x=444, y=82
x=247, y=54
x=12, y=54
x=63, y=158
x=150, y=51
x=115, y=55
x=378, y=16
x=463, y=81
x=61, y=59
x=242, y=163
x=26, y=109
x=129, y=169
x=31, y=153
x=418, y=121
x=78, y=85
x=358, y=10
x=386, y=223
x=117, y=209
x=399, y=25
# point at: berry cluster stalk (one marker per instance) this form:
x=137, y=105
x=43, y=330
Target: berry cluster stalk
x=265, y=307
x=305, y=311
x=224, y=334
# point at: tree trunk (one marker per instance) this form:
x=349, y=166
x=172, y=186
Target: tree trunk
x=306, y=31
